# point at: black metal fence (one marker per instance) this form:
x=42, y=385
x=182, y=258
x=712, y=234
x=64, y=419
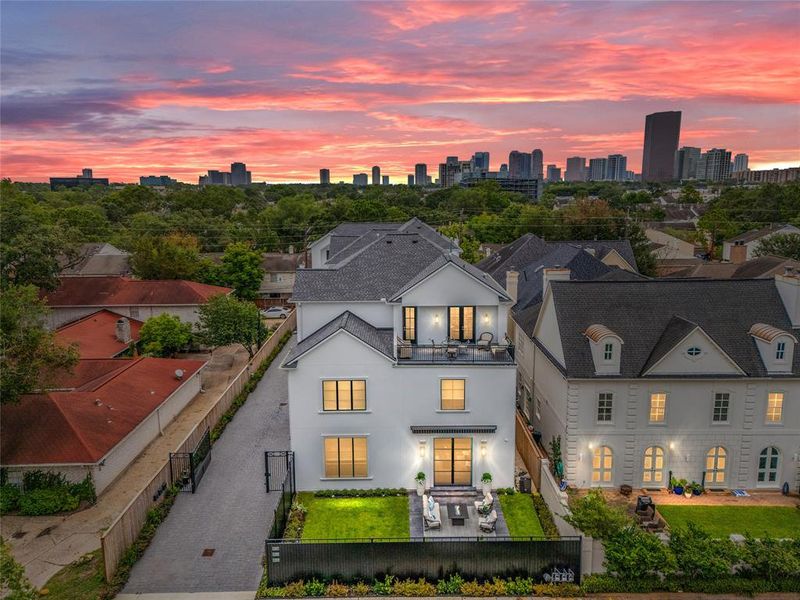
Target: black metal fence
x=187, y=468
x=456, y=353
x=433, y=558
x=280, y=477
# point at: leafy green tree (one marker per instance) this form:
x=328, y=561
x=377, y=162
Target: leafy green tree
x=174, y=256
x=30, y=358
x=595, y=517
x=786, y=245
x=466, y=240
x=88, y=221
x=690, y=195
x=645, y=260
x=719, y=226
x=241, y=270
x=12, y=577
x=226, y=320
x=592, y=219
x=165, y=335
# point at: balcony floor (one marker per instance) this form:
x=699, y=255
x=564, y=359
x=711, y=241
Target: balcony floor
x=462, y=354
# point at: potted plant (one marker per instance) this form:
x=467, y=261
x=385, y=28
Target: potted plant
x=420, y=479
x=678, y=486
x=486, y=482
x=688, y=490
x=697, y=489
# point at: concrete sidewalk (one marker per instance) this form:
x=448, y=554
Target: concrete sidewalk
x=230, y=514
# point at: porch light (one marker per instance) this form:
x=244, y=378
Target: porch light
x=483, y=448
x=422, y=448
x=672, y=445
x=436, y=319
x=591, y=446
x=486, y=317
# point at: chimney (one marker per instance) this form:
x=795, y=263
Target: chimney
x=553, y=274
x=123, y=330
x=738, y=254
x=788, y=286
x=512, y=282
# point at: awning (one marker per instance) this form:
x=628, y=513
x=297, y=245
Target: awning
x=453, y=429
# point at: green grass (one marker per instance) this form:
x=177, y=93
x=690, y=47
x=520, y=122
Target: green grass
x=520, y=515
x=721, y=521
x=82, y=580
x=342, y=518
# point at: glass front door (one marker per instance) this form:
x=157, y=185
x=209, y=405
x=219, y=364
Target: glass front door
x=452, y=461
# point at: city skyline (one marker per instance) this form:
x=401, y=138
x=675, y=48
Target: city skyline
x=133, y=89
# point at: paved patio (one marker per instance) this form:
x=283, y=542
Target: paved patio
x=448, y=530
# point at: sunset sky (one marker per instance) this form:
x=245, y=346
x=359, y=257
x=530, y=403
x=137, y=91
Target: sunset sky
x=138, y=88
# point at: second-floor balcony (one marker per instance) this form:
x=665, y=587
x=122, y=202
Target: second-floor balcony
x=454, y=352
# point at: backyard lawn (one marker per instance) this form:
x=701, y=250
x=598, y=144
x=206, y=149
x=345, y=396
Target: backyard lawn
x=721, y=521
x=341, y=518
x=520, y=515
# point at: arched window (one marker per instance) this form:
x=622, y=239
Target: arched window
x=653, y=472
x=768, y=462
x=602, y=465
x=716, y=464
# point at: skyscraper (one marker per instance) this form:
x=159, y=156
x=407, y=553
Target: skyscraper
x=410, y=180
x=503, y=172
x=360, y=179
x=714, y=165
x=239, y=174
x=616, y=168
x=662, y=131
x=421, y=173
x=480, y=161
x=686, y=160
x=740, y=162
x=376, y=175
x=553, y=174
x=576, y=169
x=537, y=163
x=325, y=176
x=597, y=169
x=519, y=165
x=385, y=180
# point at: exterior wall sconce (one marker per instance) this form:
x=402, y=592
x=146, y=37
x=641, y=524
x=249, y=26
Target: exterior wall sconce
x=423, y=448
x=591, y=446
x=436, y=319
x=483, y=448
x=672, y=445
x=486, y=317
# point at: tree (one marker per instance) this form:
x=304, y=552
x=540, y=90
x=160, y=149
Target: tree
x=645, y=260
x=786, y=245
x=594, y=517
x=635, y=554
x=466, y=240
x=12, y=577
x=165, y=335
x=174, y=256
x=227, y=320
x=690, y=195
x=29, y=356
x=241, y=270
x=700, y=556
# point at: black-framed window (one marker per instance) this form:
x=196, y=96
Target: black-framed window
x=722, y=403
x=461, y=323
x=605, y=407
x=345, y=457
x=344, y=394
x=410, y=323
x=453, y=394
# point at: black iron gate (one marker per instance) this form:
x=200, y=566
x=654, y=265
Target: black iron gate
x=279, y=475
x=187, y=468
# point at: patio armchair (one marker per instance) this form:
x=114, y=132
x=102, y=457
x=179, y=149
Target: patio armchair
x=488, y=523
x=431, y=519
x=484, y=340
x=484, y=506
x=403, y=348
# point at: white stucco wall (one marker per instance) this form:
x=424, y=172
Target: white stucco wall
x=313, y=315
x=397, y=397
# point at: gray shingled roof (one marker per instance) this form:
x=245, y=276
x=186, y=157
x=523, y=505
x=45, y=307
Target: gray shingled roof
x=677, y=328
x=754, y=234
x=641, y=312
x=379, y=339
x=463, y=265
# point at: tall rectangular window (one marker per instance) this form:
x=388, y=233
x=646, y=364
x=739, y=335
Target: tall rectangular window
x=410, y=323
x=774, y=407
x=658, y=407
x=780, y=351
x=461, y=323
x=345, y=457
x=605, y=408
x=722, y=402
x=344, y=394
x=608, y=351
x=453, y=394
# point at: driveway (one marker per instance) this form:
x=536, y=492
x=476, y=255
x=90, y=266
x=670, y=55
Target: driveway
x=231, y=512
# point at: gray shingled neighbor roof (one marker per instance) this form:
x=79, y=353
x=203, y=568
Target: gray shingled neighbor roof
x=379, y=339
x=642, y=313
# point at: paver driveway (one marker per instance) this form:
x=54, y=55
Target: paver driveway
x=230, y=512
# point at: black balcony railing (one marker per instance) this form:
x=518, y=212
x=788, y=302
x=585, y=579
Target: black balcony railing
x=455, y=353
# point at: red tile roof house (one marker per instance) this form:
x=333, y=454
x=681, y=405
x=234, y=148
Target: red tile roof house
x=103, y=334
x=99, y=420
x=78, y=297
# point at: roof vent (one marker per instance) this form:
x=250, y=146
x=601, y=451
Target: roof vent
x=178, y=374
x=97, y=402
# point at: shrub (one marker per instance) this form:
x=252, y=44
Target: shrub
x=296, y=589
x=557, y=590
x=336, y=590
x=360, y=589
x=9, y=498
x=409, y=587
x=633, y=553
x=509, y=491
x=272, y=592
x=519, y=586
x=38, y=480
x=383, y=588
x=368, y=493
x=545, y=517
x=451, y=585
x=699, y=556
x=315, y=588
x=595, y=517
x=771, y=559
x=47, y=501
x=84, y=491
x=608, y=584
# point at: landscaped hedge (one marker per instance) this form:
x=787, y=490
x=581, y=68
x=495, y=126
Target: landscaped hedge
x=45, y=493
x=370, y=493
x=391, y=586
x=545, y=517
x=729, y=584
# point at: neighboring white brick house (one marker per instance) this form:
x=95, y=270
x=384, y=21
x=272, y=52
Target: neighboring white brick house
x=369, y=410
x=642, y=378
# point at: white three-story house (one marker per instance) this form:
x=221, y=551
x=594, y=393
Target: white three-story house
x=401, y=366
